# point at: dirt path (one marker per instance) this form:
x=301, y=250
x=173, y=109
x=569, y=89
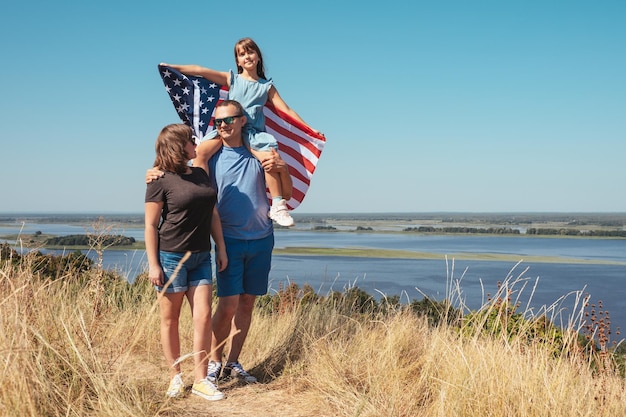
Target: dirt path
x=258, y=400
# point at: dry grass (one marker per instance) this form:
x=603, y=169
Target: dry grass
x=87, y=344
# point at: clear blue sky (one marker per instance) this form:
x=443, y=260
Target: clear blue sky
x=484, y=106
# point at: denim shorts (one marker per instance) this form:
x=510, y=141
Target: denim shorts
x=194, y=272
x=248, y=270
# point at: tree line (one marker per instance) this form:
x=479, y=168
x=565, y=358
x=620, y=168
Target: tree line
x=88, y=240
x=575, y=232
x=463, y=229
x=510, y=231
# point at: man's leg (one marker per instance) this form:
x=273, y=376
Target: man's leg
x=221, y=324
x=241, y=321
x=240, y=327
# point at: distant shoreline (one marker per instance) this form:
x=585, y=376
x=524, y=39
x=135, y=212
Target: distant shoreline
x=378, y=253
x=382, y=220
x=403, y=254
x=374, y=223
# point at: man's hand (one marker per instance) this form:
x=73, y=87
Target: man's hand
x=274, y=162
x=153, y=174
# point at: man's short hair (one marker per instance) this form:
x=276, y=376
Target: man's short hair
x=233, y=103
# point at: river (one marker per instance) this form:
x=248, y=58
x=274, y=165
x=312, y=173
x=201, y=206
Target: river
x=545, y=283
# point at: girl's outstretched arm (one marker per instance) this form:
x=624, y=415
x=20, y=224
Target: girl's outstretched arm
x=218, y=77
x=280, y=104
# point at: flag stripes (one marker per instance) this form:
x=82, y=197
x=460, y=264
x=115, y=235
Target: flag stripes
x=195, y=98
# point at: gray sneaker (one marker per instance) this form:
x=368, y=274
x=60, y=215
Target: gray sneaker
x=213, y=371
x=235, y=370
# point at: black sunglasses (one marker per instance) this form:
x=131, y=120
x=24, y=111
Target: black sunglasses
x=228, y=120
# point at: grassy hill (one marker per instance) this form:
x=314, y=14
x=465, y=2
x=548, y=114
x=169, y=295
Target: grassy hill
x=77, y=340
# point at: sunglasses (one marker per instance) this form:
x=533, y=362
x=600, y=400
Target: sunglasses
x=228, y=120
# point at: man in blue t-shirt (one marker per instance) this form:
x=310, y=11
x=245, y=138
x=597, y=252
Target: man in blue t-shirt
x=243, y=206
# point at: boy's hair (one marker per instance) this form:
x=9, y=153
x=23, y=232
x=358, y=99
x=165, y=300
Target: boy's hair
x=170, y=148
x=248, y=44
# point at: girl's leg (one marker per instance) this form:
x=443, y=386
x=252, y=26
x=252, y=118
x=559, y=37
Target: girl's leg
x=279, y=212
x=272, y=179
x=170, y=305
x=199, y=298
x=205, y=150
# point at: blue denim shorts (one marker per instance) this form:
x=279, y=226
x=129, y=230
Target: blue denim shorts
x=194, y=272
x=248, y=270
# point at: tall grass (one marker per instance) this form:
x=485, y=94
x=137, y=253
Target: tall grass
x=84, y=342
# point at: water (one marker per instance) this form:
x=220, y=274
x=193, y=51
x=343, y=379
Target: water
x=590, y=249
x=414, y=278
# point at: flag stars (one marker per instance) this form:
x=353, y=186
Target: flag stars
x=194, y=99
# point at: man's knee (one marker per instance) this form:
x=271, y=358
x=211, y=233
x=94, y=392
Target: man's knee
x=246, y=302
x=227, y=306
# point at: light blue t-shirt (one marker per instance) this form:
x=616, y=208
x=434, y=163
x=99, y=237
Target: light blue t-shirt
x=242, y=201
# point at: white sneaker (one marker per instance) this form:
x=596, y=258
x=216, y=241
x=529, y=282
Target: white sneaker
x=176, y=388
x=280, y=214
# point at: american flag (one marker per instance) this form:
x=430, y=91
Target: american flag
x=194, y=99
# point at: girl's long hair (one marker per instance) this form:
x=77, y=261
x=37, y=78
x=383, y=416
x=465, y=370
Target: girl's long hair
x=170, y=148
x=249, y=45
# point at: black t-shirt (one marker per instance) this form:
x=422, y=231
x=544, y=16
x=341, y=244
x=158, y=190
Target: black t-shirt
x=188, y=202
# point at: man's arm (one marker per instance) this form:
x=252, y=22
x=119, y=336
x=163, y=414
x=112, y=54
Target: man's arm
x=221, y=258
